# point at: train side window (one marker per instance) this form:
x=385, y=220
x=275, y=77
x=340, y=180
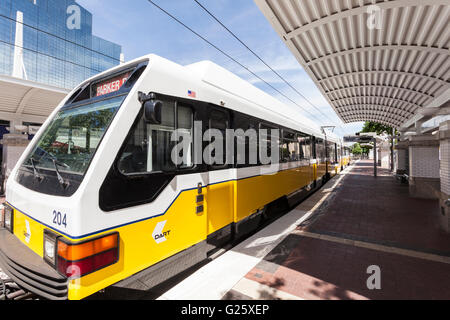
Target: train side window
x=331, y=152
x=290, y=147
x=320, y=149
x=185, y=127
x=335, y=151
x=159, y=141
x=313, y=147
x=218, y=120
x=267, y=141
x=149, y=146
x=246, y=145
x=308, y=148
x=305, y=146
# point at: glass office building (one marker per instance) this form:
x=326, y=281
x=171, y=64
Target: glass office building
x=55, y=45
x=46, y=48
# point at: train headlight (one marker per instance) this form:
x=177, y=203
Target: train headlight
x=50, y=247
x=8, y=217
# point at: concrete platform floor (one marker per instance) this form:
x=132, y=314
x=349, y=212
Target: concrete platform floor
x=365, y=221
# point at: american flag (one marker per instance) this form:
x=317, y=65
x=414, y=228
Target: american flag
x=191, y=93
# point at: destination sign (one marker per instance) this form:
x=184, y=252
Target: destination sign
x=110, y=85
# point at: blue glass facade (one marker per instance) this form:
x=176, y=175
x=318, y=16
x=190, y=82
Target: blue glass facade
x=59, y=48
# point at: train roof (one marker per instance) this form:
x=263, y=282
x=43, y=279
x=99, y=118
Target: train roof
x=271, y=109
x=214, y=84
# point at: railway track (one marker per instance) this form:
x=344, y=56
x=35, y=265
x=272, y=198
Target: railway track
x=9, y=290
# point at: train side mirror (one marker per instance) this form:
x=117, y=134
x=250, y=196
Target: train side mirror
x=152, y=108
x=152, y=111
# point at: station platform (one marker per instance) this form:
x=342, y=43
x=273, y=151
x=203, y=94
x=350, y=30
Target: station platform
x=323, y=248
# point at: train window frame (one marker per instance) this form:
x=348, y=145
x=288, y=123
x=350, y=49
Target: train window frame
x=320, y=147
x=249, y=122
x=192, y=110
x=336, y=158
x=139, y=118
x=149, y=131
x=313, y=147
x=307, y=142
x=75, y=107
x=292, y=140
x=266, y=125
x=224, y=112
x=331, y=151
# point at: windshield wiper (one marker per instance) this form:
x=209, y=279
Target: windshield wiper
x=61, y=180
x=36, y=173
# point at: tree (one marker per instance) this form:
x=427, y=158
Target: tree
x=356, y=149
x=366, y=149
x=379, y=128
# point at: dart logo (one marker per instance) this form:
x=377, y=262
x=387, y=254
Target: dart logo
x=158, y=234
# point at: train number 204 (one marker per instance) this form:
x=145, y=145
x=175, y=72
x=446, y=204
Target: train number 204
x=59, y=218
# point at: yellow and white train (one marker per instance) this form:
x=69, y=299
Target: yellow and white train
x=95, y=199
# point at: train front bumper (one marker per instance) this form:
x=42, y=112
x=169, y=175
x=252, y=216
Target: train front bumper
x=29, y=270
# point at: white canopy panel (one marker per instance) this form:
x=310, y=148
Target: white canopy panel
x=23, y=100
x=372, y=60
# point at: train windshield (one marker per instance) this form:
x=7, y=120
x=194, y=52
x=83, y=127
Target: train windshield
x=71, y=139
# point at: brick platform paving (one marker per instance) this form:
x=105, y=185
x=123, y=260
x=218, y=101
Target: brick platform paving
x=380, y=209
x=368, y=221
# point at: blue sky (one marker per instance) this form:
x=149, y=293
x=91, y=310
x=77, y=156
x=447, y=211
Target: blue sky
x=141, y=29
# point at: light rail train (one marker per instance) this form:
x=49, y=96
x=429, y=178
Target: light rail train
x=95, y=200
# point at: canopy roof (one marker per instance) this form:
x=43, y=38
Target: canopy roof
x=26, y=100
x=383, y=72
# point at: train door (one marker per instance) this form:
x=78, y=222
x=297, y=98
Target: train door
x=147, y=175
x=220, y=190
